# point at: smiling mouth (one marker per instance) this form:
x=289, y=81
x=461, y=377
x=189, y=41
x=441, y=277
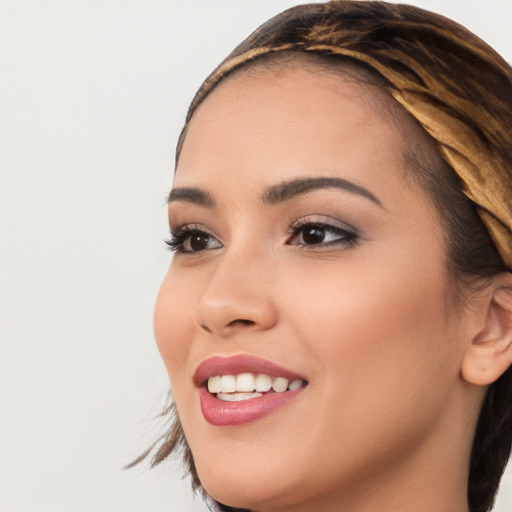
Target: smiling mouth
x=247, y=386
x=239, y=389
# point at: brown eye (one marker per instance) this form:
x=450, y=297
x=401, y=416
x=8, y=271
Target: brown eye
x=189, y=240
x=313, y=235
x=197, y=242
x=320, y=234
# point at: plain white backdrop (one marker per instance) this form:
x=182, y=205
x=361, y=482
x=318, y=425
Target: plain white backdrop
x=93, y=94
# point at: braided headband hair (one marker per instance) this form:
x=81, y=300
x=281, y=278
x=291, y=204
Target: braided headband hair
x=469, y=115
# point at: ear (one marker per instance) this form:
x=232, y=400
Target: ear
x=490, y=352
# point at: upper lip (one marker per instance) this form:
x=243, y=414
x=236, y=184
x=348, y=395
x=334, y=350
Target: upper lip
x=240, y=363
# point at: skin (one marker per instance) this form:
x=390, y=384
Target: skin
x=386, y=417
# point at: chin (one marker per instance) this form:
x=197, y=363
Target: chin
x=268, y=480
x=241, y=484
x=249, y=492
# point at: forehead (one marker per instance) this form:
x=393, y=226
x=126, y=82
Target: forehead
x=271, y=123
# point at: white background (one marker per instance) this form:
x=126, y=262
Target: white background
x=92, y=97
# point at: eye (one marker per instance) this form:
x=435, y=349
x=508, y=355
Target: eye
x=192, y=239
x=309, y=233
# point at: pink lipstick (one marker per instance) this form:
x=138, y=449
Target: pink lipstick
x=239, y=389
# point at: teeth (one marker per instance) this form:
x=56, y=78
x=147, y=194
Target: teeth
x=237, y=397
x=214, y=384
x=248, y=383
x=245, y=382
x=263, y=383
x=227, y=384
x=295, y=384
x=280, y=385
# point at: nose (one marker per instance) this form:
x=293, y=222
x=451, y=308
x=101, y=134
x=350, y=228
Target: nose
x=237, y=298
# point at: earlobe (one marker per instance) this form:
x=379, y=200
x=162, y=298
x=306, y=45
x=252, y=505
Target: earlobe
x=490, y=353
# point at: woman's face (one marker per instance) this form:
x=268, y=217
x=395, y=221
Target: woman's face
x=304, y=252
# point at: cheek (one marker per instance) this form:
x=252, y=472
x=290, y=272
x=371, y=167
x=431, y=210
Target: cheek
x=380, y=336
x=384, y=363
x=172, y=324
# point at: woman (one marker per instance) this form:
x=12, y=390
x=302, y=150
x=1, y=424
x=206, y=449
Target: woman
x=337, y=320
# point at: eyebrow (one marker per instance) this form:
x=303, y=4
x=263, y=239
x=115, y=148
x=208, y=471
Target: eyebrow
x=289, y=189
x=276, y=193
x=192, y=195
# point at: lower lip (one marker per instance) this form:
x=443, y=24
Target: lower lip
x=223, y=414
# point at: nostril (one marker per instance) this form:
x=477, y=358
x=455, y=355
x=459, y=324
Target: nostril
x=241, y=321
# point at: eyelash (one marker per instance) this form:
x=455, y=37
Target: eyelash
x=347, y=238
x=181, y=235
